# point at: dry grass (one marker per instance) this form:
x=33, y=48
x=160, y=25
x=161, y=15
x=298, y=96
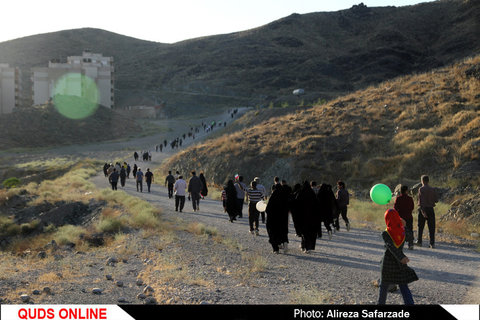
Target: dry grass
x=122, y=211
x=252, y=264
x=310, y=296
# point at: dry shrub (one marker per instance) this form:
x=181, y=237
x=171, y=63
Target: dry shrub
x=375, y=167
x=470, y=150
x=108, y=212
x=49, y=278
x=310, y=296
x=68, y=234
x=201, y=229
x=408, y=140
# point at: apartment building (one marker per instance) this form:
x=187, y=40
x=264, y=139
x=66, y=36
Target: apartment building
x=9, y=88
x=93, y=65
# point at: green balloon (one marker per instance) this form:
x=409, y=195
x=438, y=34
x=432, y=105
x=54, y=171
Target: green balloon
x=381, y=194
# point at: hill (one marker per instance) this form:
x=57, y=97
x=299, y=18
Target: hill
x=43, y=126
x=394, y=132
x=326, y=53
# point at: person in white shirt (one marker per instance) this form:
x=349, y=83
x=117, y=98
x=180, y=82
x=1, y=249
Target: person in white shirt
x=180, y=188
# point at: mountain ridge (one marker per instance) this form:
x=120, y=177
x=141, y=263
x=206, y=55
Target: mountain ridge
x=327, y=53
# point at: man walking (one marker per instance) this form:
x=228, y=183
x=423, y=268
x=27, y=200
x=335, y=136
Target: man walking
x=180, y=188
x=343, y=200
x=427, y=197
x=113, y=179
x=262, y=189
x=194, y=189
x=139, y=179
x=170, y=180
x=253, y=196
x=148, y=178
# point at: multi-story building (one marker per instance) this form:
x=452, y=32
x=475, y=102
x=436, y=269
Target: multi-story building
x=93, y=65
x=9, y=88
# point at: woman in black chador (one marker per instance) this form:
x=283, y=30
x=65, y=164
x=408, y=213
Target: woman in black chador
x=277, y=219
x=123, y=176
x=309, y=210
x=231, y=201
x=204, y=190
x=294, y=209
x=327, y=202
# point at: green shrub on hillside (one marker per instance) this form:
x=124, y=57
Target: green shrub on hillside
x=11, y=183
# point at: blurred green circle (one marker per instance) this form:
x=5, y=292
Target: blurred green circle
x=75, y=96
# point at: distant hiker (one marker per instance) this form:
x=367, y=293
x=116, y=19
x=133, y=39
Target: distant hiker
x=314, y=186
x=427, y=197
x=404, y=206
x=327, y=203
x=224, y=199
x=308, y=208
x=105, y=169
x=241, y=188
x=128, y=171
x=286, y=187
x=134, y=171
x=264, y=192
x=110, y=169
x=204, y=190
x=170, y=181
x=177, y=174
x=343, y=200
x=276, y=181
x=231, y=200
x=194, y=189
x=139, y=179
x=394, y=269
x=277, y=219
x=148, y=178
x=180, y=188
x=123, y=176
x=253, y=196
x=135, y=156
x=113, y=179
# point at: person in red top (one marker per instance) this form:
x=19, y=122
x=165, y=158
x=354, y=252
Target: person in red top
x=404, y=206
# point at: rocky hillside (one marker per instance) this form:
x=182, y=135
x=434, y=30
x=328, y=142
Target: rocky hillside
x=326, y=53
x=394, y=132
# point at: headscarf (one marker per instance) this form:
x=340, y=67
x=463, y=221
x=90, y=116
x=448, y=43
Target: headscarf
x=395, y=227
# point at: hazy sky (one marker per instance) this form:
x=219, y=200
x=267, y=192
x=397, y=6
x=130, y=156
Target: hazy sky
x=165, y=21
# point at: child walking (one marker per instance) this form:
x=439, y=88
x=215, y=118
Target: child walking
x=394, y=269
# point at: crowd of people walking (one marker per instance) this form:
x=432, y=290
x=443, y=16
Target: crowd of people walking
x=309, y=206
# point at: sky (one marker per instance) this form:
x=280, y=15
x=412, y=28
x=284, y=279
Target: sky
x=165, y=21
